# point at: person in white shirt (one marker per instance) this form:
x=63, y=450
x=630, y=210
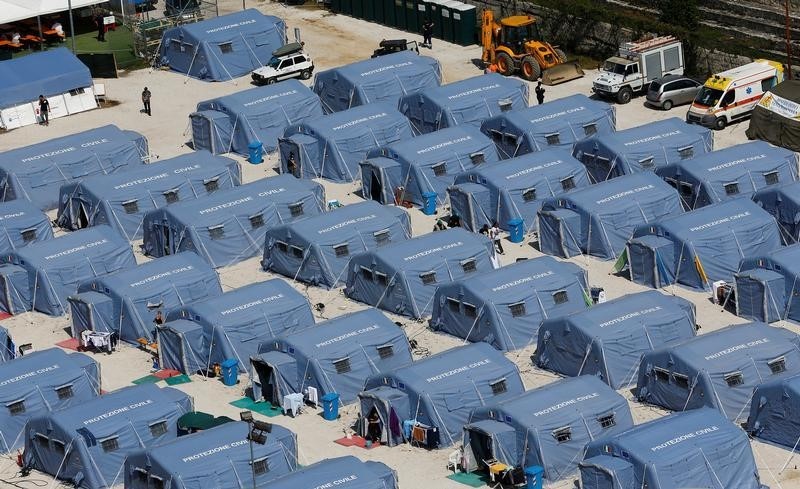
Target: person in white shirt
x=494, y=235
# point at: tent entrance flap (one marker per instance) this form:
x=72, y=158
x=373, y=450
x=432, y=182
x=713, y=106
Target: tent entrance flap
x=16, y=297
x=181, y=347
x=472, y=204
x=648, y=256
x=489, y=440
x=164, y=242
x=761, y=295
x=560, y=233
x=272, y=379
x=293, y=155
x=91, y=311
x=606, y=472
x=389, y=403
x=376, y=188
x=74, y=216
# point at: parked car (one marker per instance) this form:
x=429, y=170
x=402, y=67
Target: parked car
x=671, y=90
x=389, y=46
x=287, y=62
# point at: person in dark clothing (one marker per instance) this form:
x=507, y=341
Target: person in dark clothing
x=374, y=427
x=101, y=28
x=539, y=92
x=427, y=33
x=44, y=110
x=146, y=100
x=291, y=164
x=484, y=230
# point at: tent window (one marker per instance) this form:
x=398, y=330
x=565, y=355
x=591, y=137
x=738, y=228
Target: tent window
x=529, y=195
x=60, y=446
x=734, y=378
x=382, y=279
x=226, y=47
x=131, y=206
x=498, y=387
x=171, y=196
x=256, y=221
x=297, y=252
x=771, y=178
x=381, y=237
x=77, y=91
x=16, y=407
x=28, y=235
x=341, y=250
x=661, y=375
x=560, y=296
x=211, y=185
x=778, y=365
x=497, y=136
x=552, y=139
x=386, y=351
x=158, y=429
x=342, y=366
x=216, y=232
x=282, y=246
x=686, y=152
x=517, y=309
x=367, y=274
x=428, y=278
x=647, y=163
x=563, y=435
x=260, y=466
x=477, y=158
x=681, y=380
x=470, y=310
x=505, y=104
x=439, y=169
x=64, y=392
x=110, y=444
x=453, y=304
x=731, y=188
x=567, y=184
x=469, y=266
x=590, y=129
x=296, y=209
x=607, y=421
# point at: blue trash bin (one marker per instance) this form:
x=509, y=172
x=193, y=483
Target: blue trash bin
x=429, y=203
x=229, y=369
x=256, y=150
x=516, y=230
x=330, y=406
x=533, y=477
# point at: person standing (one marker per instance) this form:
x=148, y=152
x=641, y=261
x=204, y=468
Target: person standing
x=101, y=27
x=494, y=235
x=427, y=33
x=44, y=111
x=146, y=100
x=539, y=92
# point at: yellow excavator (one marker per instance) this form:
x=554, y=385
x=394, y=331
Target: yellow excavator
x=513, y=45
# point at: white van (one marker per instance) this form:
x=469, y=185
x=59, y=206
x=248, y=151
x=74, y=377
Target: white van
x=731, y=95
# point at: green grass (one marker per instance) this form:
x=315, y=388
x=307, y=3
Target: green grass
x=119, y=42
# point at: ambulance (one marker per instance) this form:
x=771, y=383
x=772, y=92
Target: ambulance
x=731, y=95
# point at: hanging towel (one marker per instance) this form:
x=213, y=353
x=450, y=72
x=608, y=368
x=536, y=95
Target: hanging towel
x=394, y=425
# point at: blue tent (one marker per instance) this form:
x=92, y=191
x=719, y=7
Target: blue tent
x=340, y=473
x=230, y=226
x=231, y=325
x=438, y=393
x=642, y=148
x=332, y=146
x=549, y=426
x=231, y=122
x=608, y=340
x=42, y=275
x=212, y=459
x=317, y=249
x=730, y=173
x=774, y=415
x=86, y=445
x=783, y=203
x=599, y=219
x=333, y=356
x=381, y=79
x=22, y=223
x=718, y=369
x=36, y=172
x=767, y=287
x=425, y=164
x=402, y=277
x=505, y=307
x=701, y=246
x=125, y=302
x=469, y=101
x=222, y=48
x=693, y=449
x=8, y=350
x=121, y=200
x=514, y=189
x=41, y=382
x=560, y=123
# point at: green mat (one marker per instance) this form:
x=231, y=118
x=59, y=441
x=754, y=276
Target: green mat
x=265, y=408
x=148, y=379
x=471, y=479
x=178, y=379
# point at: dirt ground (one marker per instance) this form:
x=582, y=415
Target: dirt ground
x=334, y=40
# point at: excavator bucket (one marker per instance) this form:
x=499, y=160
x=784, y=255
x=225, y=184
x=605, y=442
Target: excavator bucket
x=564, y=72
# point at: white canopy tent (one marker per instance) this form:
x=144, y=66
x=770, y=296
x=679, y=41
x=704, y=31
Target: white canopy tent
x=15, y=10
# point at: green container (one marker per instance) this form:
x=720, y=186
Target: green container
x=465, y=24
x=378, y=15
x=412, y=24
x=369, y=10
x=423, y=13
x=433, y=13
x=400, y=14
x=336, y=6
x=389, y=15
x=446, y=18
x=347, y=7
x=358, y=9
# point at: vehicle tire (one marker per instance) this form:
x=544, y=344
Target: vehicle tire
x=562, y=56
x=305, y=74
x=667, y=105
x=505, y=65
x=529, y=68
x=271, y=81
x=720, y=123
x=624, y=95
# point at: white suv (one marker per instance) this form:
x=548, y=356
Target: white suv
x=287, y=62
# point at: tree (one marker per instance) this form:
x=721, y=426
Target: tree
x=683, y=13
